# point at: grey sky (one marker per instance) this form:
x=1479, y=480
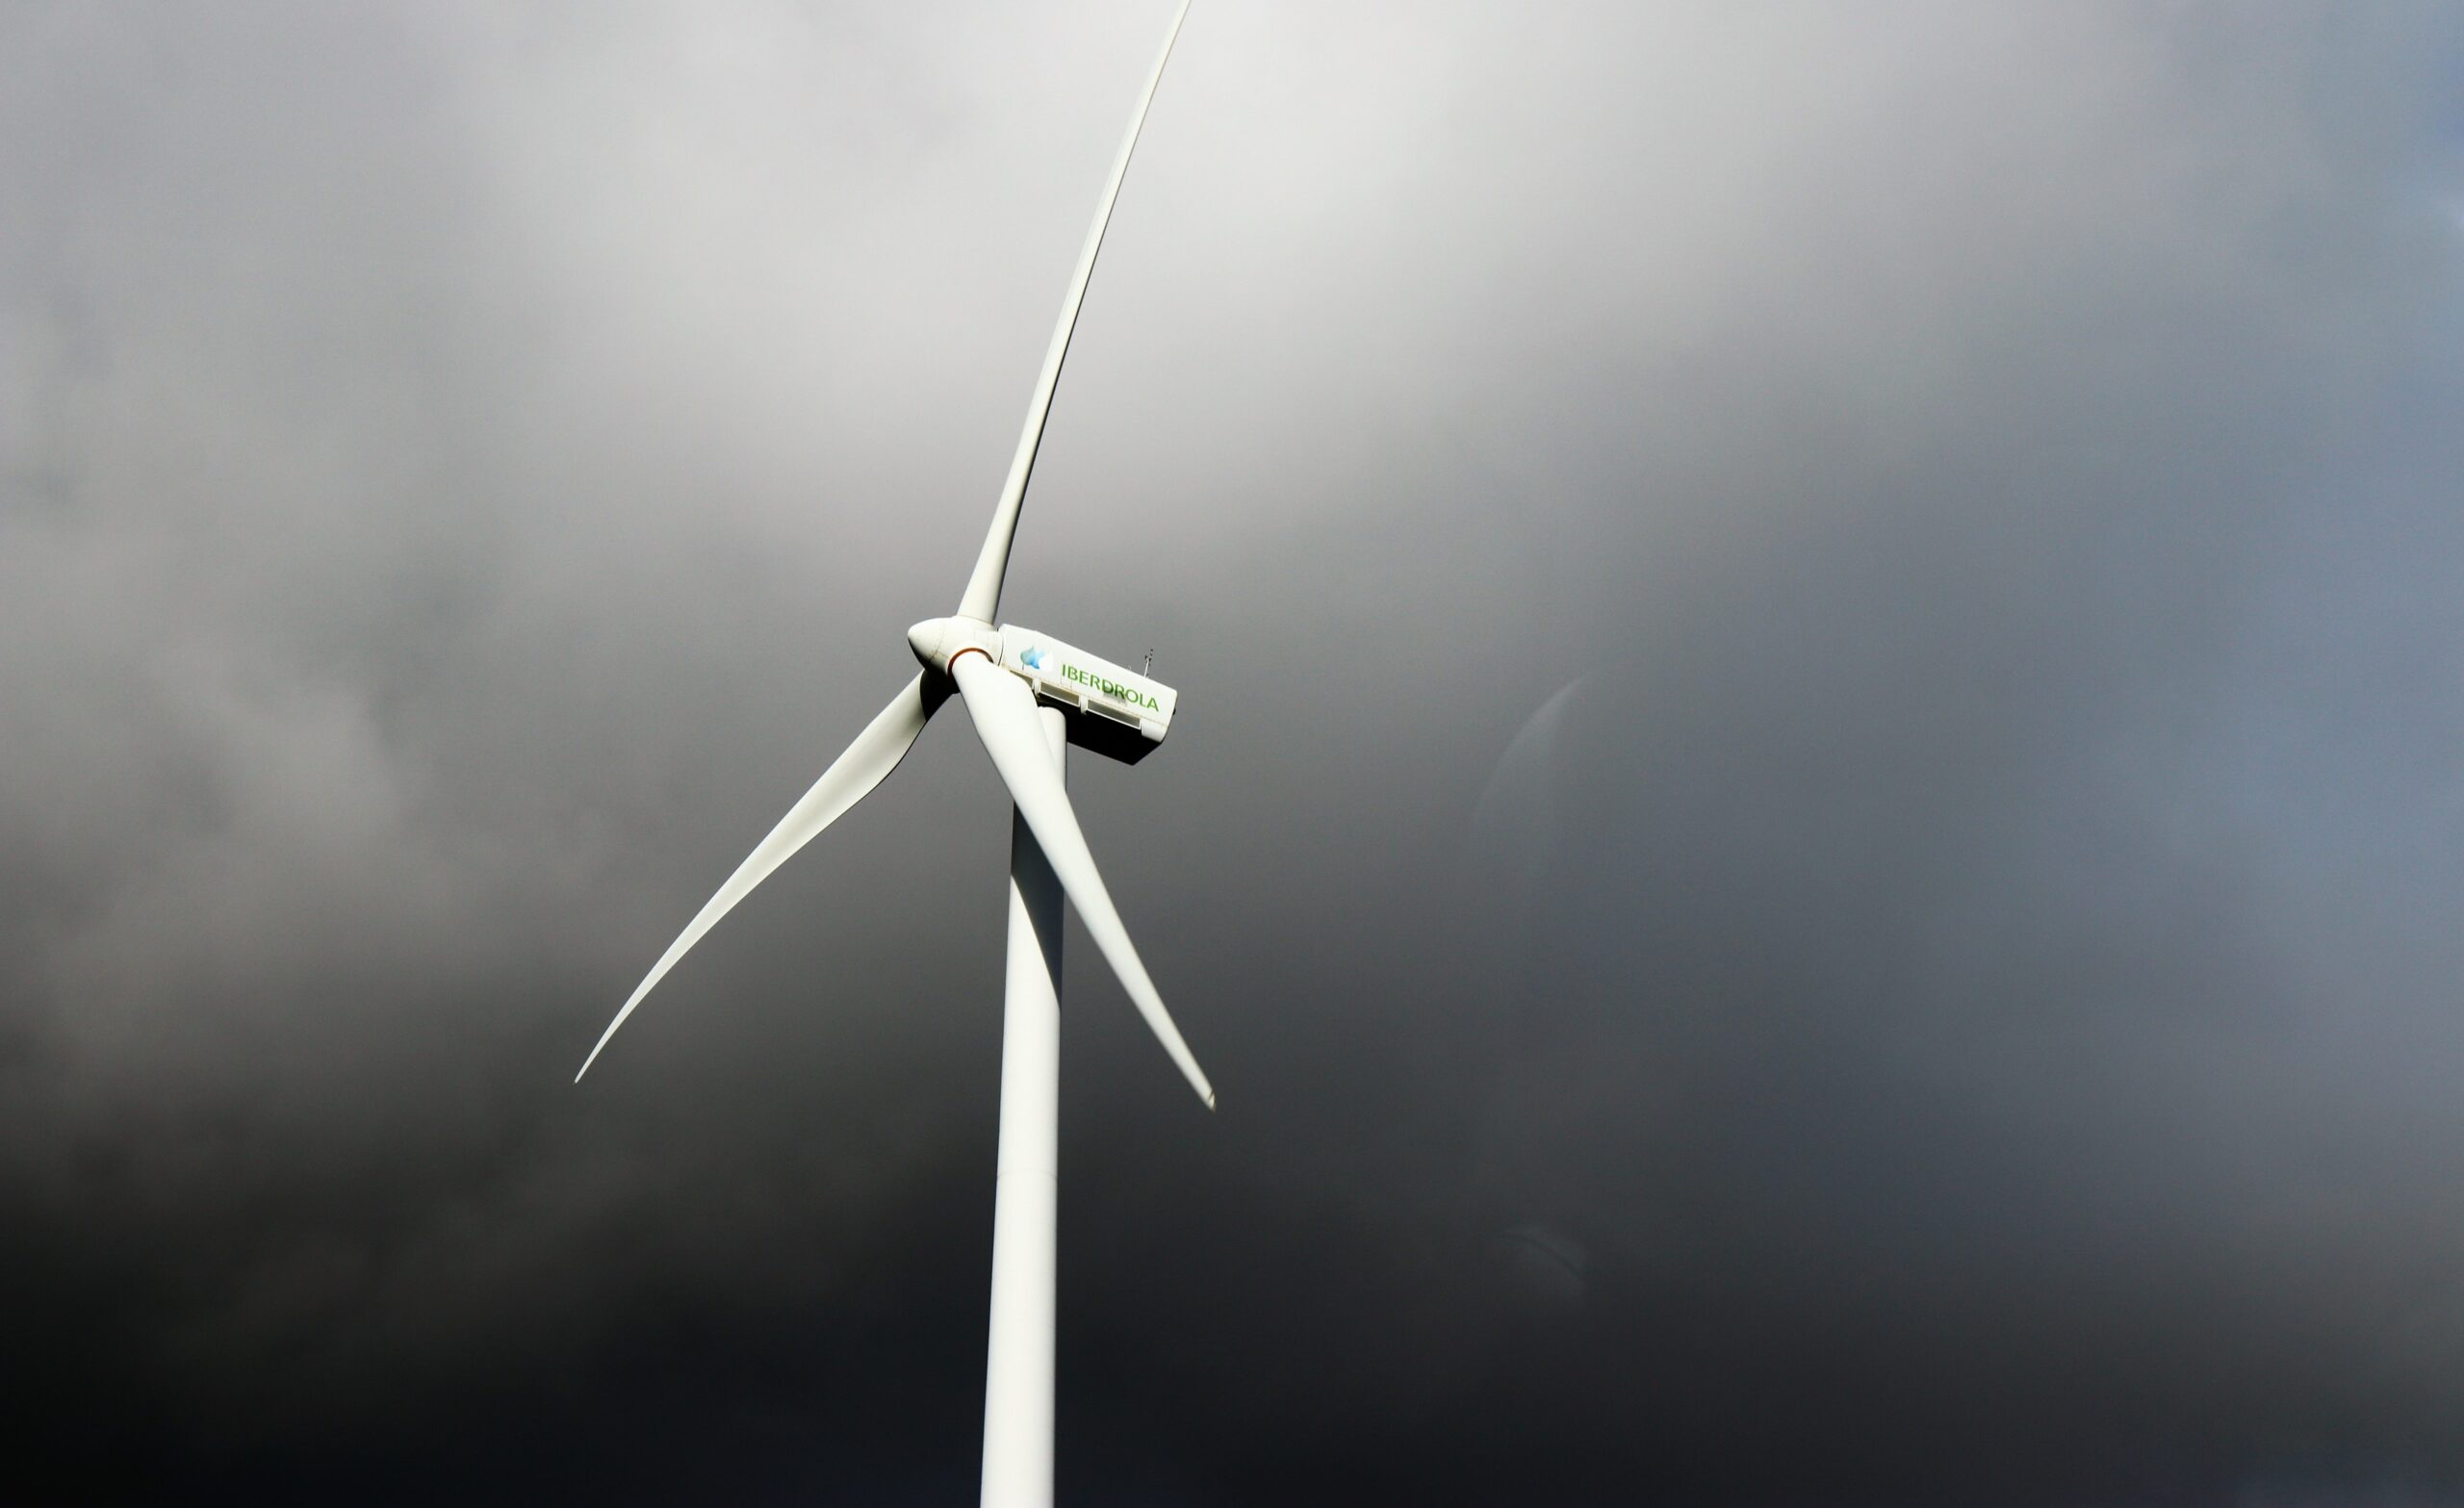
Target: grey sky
x=1967, y=982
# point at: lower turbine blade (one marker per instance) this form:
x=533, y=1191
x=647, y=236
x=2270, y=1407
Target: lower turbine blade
x=867, y=761
x=1004, y=711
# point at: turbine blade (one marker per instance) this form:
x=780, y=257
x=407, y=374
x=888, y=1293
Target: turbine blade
x=1004, y=711
x=983, y=598
x=849, y=779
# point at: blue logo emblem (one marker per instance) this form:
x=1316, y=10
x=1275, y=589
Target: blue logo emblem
x=1032, y=657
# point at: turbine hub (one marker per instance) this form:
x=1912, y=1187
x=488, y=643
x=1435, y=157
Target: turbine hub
x=938, y=641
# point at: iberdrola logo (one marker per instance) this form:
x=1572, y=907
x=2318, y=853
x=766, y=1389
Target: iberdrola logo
x=1112, y=688
x=1035, y=658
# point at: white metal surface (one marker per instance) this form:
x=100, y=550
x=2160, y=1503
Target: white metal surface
x=1026, y=1187
x=1004, y=711
x=982, y=601
x=850, y=777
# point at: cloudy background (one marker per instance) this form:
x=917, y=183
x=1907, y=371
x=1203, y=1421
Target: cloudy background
x=1816, y=834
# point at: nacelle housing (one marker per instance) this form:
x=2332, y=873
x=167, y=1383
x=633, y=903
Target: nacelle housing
x=1112, y=710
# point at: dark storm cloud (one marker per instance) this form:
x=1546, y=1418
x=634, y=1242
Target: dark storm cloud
x=1965, y=983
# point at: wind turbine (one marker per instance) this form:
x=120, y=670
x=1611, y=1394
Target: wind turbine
x=1030, y=696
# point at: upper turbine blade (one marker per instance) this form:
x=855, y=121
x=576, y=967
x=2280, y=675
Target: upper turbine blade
x=874, y=753
x=1004, y=711
x=983, y=598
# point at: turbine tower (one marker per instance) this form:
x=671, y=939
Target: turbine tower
x=1030, y=696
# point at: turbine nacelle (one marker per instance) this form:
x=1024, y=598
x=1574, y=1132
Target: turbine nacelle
x=1112, y=710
